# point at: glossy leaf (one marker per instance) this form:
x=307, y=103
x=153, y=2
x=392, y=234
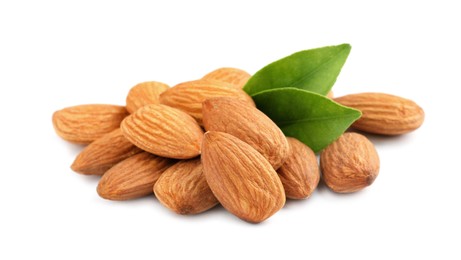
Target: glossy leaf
x=309, y=117
x=314, y=70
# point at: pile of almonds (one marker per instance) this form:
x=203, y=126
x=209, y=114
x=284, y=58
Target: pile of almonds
x=204, y=142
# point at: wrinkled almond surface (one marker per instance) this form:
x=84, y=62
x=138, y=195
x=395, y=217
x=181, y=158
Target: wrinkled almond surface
x=300, y=172
x=183, y=188
x=86, y=123
x=188, y=96
x=103, y=153
x=144, y=93
x=349, y=164
x=242, y=180
x=163, y=131
x=236, y=77
x=133, y=177
x=247, y=123
x=383, y=113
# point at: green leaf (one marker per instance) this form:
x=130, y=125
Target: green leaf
x=315, y=70
x=309, y=117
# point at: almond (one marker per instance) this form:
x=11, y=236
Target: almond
x=236, y=77
x=163, y=131
x=133, y=177
x=247, y=123
x=86, y=123
x=242, y=180
x=183, y=188
x=349, y=164
x=144, y=93
x=188, y=96
x=103, y=153
x=384, y=114
x=299, y=173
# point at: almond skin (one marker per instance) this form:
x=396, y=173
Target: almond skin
x=349, y=164
x=236, y=77
x=103, y=153
x=247, y=123
x=133, y=177
x=86, y=123
x=300, y=172
x=183, y=188
x=383, y=113
x=144, y=93
x=188, y=96
x=163, y=131
x=242, y=180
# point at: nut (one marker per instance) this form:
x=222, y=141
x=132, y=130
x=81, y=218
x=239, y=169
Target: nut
x=383, y=113
x=232, y=116
x=133, y=177
x=145, y=93
x=163, y=131
x=183, y=188
x=86, y=123
x=299, y=173
x=349, y=164
x=103, y=153
x=235, y=77
x=242, y=180
x=188, y=96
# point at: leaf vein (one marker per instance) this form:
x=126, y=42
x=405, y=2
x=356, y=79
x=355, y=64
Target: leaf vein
x=303, y=78
x=307, y=120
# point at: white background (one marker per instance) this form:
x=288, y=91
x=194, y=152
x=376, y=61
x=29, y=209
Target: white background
x=55, y=54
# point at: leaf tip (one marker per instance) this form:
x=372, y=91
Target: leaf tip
x=345, y=46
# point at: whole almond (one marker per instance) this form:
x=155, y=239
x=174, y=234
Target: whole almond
x=247, y=123
x=349, y=164
x=188, y=96
x=183, y=188
x=299, y=173
x=242, y=180
x=103, y=153
x=163, y=131
x=383, y=113
x=236, y=77
x=144, y=93
x=86, y=123
x=133, y=177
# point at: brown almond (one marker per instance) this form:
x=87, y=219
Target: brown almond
x=183, y=188
x=349, y=164
x=188, y=96
x=144, y=93
x=383, y=113
x=247, y=123
x=242, y=180
x=300, y=172
x=86, y=123
x=133, y=177
x=103, y=153
x=163, y=131
x=236, y=77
